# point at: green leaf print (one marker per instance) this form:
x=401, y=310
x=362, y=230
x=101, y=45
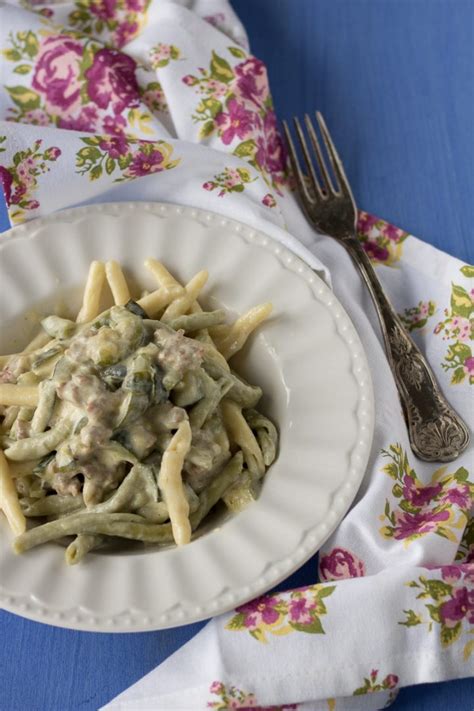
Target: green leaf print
x=461, y=474
x=468, y=270
x=89, y=153
x=23, y=69
x=237, y=622
x=13, y=55
x=109, y=166
x=237, y=52
x=31, y=45
x=221, y=69
x=207, y=129
x=23, y=97
x=458, y=375
x=450, y=634
x=434, y=613
x=437, y=589
x=212, y=107
x=314, y=627
x=245, y=149
x=461, y=303
x=412, y=619
x=96, y=172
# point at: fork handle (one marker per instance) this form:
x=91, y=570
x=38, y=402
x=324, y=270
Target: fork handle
x=436, y=431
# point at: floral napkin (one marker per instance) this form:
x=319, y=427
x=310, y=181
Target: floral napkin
x=109, y=100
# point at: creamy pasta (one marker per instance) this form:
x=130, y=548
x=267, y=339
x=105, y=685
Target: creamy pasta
x=129, y=423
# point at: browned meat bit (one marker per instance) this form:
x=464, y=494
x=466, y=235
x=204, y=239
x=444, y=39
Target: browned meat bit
x=177, y=354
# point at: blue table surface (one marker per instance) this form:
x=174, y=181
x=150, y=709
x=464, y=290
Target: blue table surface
x=394, y=81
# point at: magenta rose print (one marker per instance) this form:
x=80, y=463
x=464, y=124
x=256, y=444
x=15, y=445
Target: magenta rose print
x=340, y=564
x=458, y=329
x=231, y=180
x=382, y=241
x=230, y=697
x=372, y=684
x=235, y=105
x=440, y=508
x=269, y=201
x=19, y=180
x=281, y=614
x=447, y=605
x=123, y=157
x=417, y=317
x=75, y=83
x=114, y=22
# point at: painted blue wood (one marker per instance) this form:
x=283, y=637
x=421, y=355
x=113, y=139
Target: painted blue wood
x=394, y=80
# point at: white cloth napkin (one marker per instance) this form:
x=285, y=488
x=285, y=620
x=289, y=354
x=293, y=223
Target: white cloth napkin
x=183, y=114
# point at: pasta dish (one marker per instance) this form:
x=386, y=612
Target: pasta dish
x=130, y=423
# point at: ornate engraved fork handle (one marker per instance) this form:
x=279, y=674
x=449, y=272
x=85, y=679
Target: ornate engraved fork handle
x=436, y=431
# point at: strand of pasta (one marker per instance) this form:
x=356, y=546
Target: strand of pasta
x=23, y=395
x=170, y=483
x=241, y=330
x=9, y=502
x=92, y=293
x=117, y=283
x=240, y=433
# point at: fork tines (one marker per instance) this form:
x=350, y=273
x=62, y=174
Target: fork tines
x=323, y=186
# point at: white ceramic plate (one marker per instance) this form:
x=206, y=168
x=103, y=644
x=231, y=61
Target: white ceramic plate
x=308, y=360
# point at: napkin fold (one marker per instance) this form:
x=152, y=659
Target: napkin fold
x=109, y=100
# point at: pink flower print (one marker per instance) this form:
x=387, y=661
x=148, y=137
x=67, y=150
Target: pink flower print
x=56, y=75
x=393, y=233
x=217, y=19
x=468, y=571
x=459, y=496
x=189, y=80
x=459, y=606
x=35, y=117
x=217, y=687
x=451, y=573
x=115, y=146
x=6, y=181
x=469, y=365
x=135, y=5
x=269, y=200
x=209, y=185
x=18, y=195
x=373, y=674
x=25, y=172
x=260, y=611
x=271, y=151
x=339, y=564
x=237, y=122
x=114, y=125
x=216, y=89
x=407, y=524
x=125, y=32
x=111, y=80
x=252, y=81
x=31, y=205
x=160, y=53
x=419, y=496
x=365, y=222
x=391, y=681
x=145, y=163
x=300, y=611
x=375, y=251
x=85, y=121
x=103, y=9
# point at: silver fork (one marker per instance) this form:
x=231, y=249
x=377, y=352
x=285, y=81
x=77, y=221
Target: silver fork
x=436, y=431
